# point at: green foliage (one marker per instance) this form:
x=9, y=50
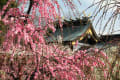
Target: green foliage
x=3, y=28
x=2, y=3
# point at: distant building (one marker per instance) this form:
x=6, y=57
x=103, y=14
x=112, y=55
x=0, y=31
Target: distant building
x=110, y=37
x=80, y=30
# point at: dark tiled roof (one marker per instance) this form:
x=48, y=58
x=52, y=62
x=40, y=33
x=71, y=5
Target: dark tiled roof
x=110, y=37
x=69, y=33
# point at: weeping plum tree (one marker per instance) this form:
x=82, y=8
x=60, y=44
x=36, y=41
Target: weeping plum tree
x=39, y=60
x=107, y=12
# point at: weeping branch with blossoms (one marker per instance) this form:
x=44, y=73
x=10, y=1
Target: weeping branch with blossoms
x=40, y=60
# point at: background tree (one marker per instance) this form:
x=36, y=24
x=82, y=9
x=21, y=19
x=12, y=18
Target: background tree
x=106, y=15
